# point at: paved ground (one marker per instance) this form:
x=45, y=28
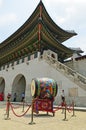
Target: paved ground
x=42, y=121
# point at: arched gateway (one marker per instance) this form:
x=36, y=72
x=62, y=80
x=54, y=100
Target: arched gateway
x=2, y=84
x=31, y=52
x=2, y=88
x=18, y=86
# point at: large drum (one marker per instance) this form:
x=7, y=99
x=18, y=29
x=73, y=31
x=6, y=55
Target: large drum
x=43, y=87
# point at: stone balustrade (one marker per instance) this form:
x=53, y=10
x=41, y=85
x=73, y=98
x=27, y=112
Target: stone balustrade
x=76, y=77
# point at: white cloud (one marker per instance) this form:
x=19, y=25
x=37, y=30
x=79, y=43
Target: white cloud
x=1, y=3
x=6, y=19
x=61, y=20
x=68, y=14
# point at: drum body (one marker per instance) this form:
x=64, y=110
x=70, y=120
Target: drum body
x=43, y=86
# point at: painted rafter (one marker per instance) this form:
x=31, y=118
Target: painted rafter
x=39, y=27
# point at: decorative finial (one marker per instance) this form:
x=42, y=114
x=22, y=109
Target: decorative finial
x=40, y=1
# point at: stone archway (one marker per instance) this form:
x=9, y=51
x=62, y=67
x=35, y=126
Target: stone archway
x=19, y=86
x=2, y=87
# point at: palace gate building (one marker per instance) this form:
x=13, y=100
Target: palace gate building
x=36, y=50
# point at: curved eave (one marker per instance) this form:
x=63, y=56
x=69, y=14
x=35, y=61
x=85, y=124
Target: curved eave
x=63, y=35
x=56, y=30
x=31, y=39
x=18, y=42
x=23, y=29
x=48, y=37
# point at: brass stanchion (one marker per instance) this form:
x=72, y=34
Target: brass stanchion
x=31, y=123
x=73, y=110
x=8, y=107
x=65, y=114
x=23, y=105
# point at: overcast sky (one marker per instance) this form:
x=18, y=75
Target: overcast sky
x=68, y=14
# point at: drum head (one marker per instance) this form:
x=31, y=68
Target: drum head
x=33, y=88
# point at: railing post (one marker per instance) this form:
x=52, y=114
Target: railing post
x=65, y=114
x=31, y=123
x=73, y=110
x=8, y=107
x=23, y=105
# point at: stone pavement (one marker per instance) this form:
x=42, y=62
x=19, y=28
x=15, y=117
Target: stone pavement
x=42, y=121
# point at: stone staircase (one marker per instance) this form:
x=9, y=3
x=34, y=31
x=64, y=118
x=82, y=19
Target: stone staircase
x=75, y=77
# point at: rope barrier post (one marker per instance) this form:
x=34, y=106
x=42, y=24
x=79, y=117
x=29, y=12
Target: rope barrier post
x=23, y=106
x=73, y=109
x=8, y=107
x=65, y=119
x=31, y=123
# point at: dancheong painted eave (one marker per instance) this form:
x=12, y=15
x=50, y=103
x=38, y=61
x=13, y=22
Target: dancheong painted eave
x=38, y=29
x=53, y=27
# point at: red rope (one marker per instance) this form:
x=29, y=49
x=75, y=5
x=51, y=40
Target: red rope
x=15, y=107
x=70, y=108
x=19, y=105
x=19, y=115
x=58, y=108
